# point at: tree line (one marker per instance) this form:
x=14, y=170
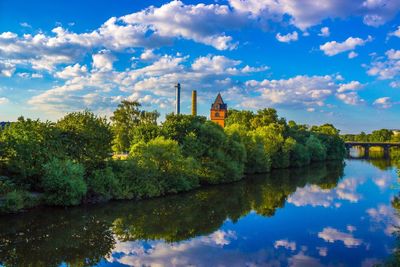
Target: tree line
x=382, y=135
x=71, y=161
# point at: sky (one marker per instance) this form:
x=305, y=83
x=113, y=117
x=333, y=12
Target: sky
x=328, y=61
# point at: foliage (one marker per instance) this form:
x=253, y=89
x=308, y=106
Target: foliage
x=86, y=138
x=382, y=135
x=163, y=167
x=330, y=138
x=299, y=154
x=316, y=149
x=63, y=182
x=71, y=160
x=102, y=184
x=257, y=159
x=125, y=119
x=13, y=198
x=27, y=145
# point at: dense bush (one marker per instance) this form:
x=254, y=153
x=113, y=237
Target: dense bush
x=102, y=184
x=163, y=168
x=86, y=138
x=257, y=158
x=13, y=198
x=26, y=146
x=316, y=149
x=63, y=182
x=126, y=118
x=221, y=158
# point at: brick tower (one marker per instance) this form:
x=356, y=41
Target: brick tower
x=219, y=111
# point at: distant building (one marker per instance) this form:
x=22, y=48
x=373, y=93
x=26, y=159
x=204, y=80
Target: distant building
x=219, y=111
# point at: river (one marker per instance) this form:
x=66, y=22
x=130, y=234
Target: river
x=326, y=214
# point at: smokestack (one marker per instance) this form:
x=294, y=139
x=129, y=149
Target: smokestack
x=194, y=103
x=178, y=99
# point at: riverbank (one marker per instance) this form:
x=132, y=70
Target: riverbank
x=69, y=162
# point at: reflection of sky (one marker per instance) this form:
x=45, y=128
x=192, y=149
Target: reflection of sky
x=349, y=225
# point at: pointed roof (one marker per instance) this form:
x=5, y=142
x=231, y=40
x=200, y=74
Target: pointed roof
x=219, y=100
x=218, y=103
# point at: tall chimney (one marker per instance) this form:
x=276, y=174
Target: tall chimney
x=178, y=99
x=194, y=103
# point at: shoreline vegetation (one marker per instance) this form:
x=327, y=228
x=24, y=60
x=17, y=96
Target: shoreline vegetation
x=70, y=162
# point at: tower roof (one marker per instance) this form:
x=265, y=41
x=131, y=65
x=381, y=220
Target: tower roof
x=218, y=99
x=218, y=103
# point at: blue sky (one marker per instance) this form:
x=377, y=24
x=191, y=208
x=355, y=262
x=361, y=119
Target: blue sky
x=334, y=61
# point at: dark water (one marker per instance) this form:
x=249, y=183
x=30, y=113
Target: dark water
x=328, y=214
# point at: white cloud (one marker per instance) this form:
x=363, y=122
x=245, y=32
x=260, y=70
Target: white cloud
x=302, y=260
x=291, y=245
x=290, y=37
x=333, y=48
x=299, y=91
x=307, y=13
x=25, y=25
x=383, y=102
x=26, y=75
x=201, y=23
x=322, y=251
x=148, y=55
x=351, y=98
x=4, y=100
x=72, y=71
x=7, y=68
x=396, y=32
x=386, y=217
x=386, y=68
x=150, y=28
x=103, y=60
x=395, y=84
x=331, y=235
x=352, y=55
x=324, y=32
x=393, y=54
x=351, y=86
x=314, y=195
x=102, y=86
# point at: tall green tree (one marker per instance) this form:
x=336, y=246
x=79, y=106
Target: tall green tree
x=86, y=138
x=126, y=117
x=27, y=145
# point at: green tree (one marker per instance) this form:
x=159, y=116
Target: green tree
x=383, y=135
x=27, y=145
x=163, y=164
x=329, y=136
x=63, y=183
x=265, y=117
x=257, y=159
x=316, y=148
x=241, y=117
x=102, y=184
x=125, y=118
x=274, y=144
x=86, y=138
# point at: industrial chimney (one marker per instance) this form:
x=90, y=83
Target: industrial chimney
x=194, y=103
x=178, y=99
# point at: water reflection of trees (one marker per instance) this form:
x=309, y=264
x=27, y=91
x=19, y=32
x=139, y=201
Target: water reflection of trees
x=83, y=236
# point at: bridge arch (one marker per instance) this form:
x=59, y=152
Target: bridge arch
x=367, y=145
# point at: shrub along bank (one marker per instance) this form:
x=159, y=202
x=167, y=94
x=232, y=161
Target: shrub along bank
x=70, y=162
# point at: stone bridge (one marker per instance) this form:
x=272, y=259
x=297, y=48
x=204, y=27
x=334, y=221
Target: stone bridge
x=366, y=145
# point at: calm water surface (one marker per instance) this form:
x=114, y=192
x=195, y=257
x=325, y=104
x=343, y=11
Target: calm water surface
x=326, y=215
